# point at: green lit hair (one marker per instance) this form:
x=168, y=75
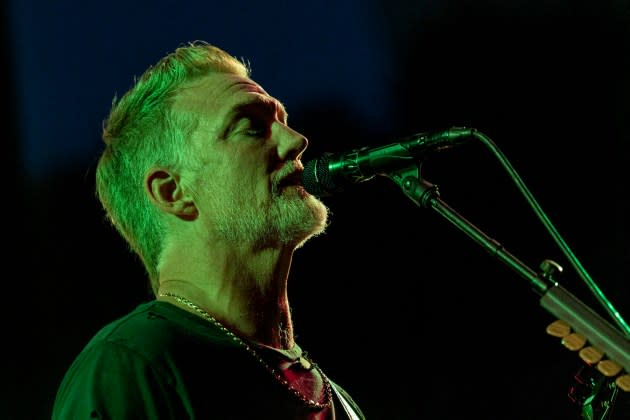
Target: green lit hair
x=143, y=131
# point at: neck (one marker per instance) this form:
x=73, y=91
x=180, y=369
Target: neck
x=244, y=289
x=256, y=318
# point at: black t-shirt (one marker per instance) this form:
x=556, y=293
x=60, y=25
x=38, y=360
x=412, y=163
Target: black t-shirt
x=161, y=362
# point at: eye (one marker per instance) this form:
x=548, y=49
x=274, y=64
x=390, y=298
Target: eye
x=255, y=127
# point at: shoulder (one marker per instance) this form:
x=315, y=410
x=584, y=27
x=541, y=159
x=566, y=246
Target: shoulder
x=156, y=326
x=141, y=362
x=153, y=334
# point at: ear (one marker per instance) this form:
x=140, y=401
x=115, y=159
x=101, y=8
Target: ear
x=166, y=192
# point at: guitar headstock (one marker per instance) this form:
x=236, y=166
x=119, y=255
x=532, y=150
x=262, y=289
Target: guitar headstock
x=599, y=382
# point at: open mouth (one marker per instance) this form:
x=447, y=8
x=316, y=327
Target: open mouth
x=293, y=179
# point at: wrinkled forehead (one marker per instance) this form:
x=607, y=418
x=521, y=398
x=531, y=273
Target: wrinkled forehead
x=216, y=93
x=218, y=99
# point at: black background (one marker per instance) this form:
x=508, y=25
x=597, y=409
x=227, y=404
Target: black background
x=406, y=312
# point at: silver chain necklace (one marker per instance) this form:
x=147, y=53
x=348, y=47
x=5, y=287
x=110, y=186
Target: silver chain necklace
x=309, y=402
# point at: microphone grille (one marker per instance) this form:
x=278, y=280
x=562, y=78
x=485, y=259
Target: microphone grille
x=316, y=178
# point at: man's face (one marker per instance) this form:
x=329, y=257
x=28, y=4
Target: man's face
x=248, y=188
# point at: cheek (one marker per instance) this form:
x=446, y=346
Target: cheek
x=244, y=189
x=245, y=176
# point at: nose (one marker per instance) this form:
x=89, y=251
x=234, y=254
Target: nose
x=291, y=144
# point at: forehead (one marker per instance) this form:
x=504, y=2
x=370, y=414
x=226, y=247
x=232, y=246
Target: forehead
x=218, y=95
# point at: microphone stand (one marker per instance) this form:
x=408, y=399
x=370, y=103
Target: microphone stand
x=554, y=298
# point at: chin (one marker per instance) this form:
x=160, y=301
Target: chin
x=295, y=191
x=298, y=216
x=305, y=238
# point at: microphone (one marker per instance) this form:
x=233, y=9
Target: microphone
x=331, y=172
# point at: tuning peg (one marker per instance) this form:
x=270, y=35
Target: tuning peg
x=574, y=341
x=608, y=367
x=559, y=328
x=591, y=355
x=623, y=382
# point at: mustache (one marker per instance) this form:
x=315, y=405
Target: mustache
x=289, y=174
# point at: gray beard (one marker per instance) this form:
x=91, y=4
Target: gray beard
x=288, y=220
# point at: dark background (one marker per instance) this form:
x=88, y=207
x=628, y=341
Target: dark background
x=406, y=312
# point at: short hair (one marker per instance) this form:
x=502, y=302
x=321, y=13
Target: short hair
x=143, y=130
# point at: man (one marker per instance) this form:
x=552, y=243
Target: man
x=202, y=176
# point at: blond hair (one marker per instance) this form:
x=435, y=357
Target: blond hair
x=143, y=130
